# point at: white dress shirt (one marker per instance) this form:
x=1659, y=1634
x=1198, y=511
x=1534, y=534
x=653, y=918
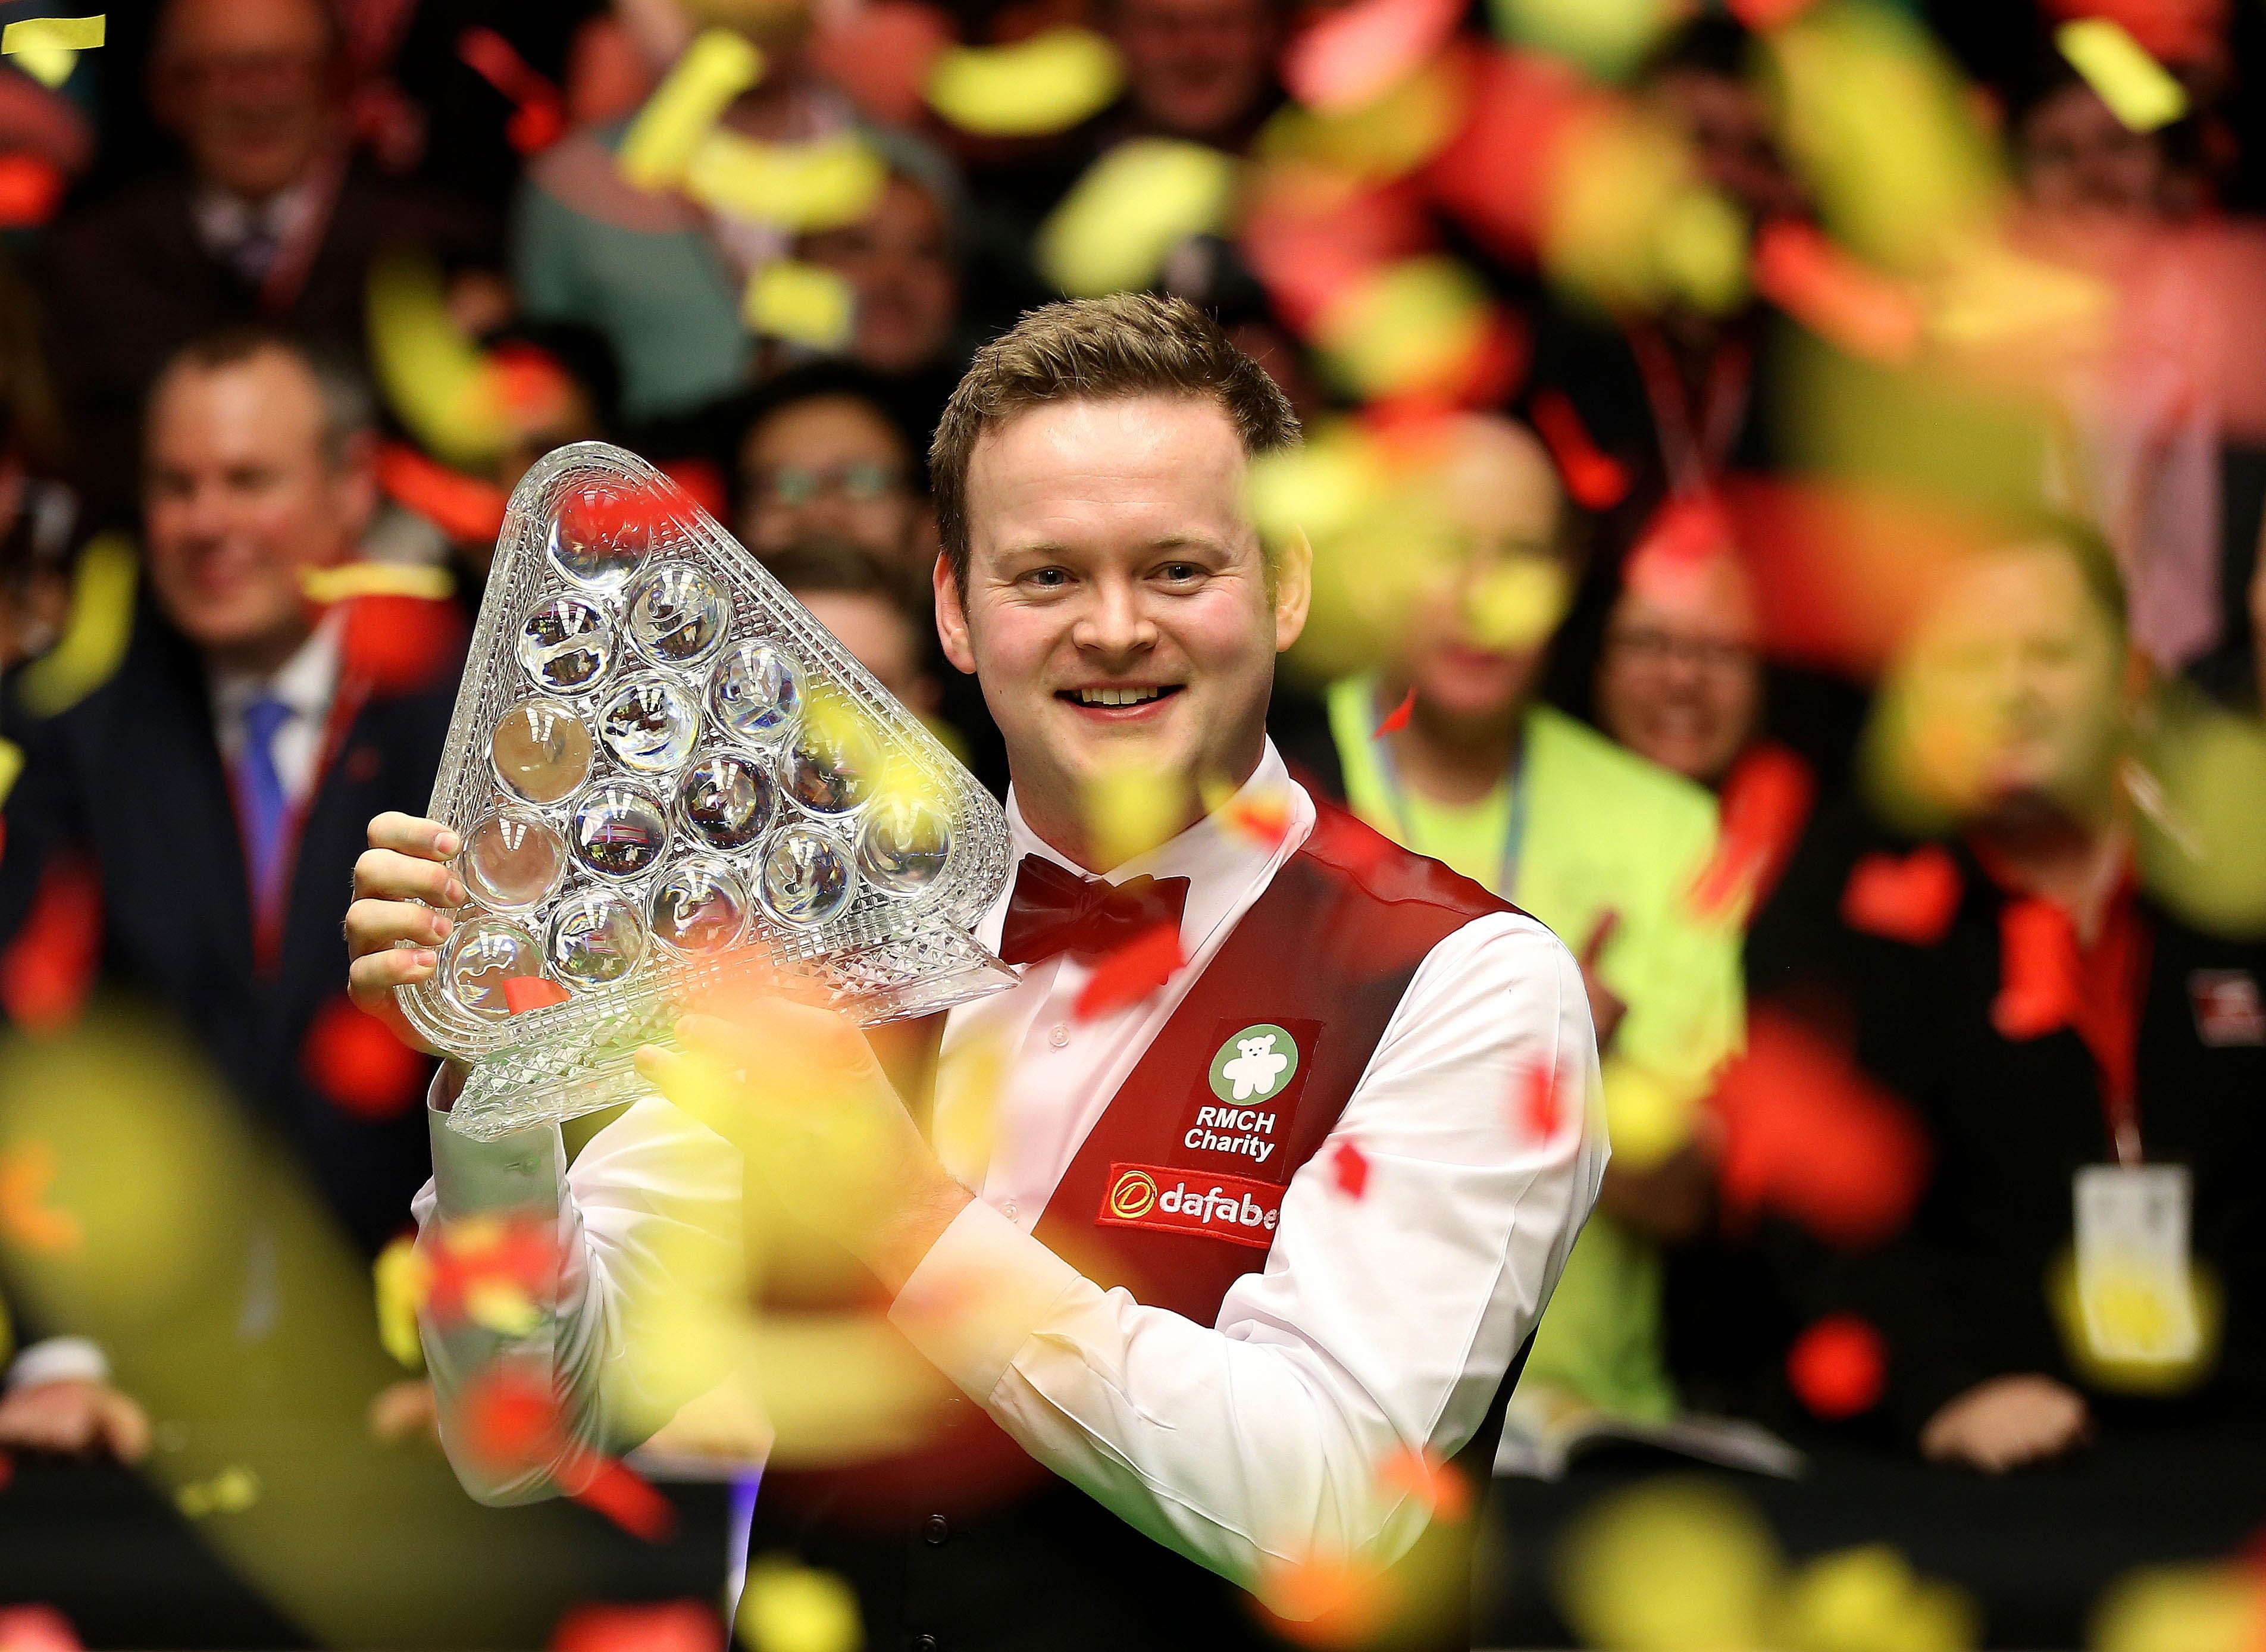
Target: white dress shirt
x=305, y=684
x=1379, y=1325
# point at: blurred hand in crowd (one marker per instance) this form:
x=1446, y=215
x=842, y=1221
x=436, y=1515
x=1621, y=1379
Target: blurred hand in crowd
x=1197, y=69
x=1680, y=680
x=77, y=1416
x=898, y=259
x=831, y=467
x=250, y=87
x=404, y=891
x=404, y=1411
x=2006, y=1423
x=249, y=484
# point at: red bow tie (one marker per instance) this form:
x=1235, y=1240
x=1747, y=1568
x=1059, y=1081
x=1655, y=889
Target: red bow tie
x=1055, y=909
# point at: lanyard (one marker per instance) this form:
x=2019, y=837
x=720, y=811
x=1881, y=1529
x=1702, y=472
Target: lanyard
x=1693, y=448
x=1388, y=773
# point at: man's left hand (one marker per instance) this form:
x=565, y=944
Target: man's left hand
x=799, y=1091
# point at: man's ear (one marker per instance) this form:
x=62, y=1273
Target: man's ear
x=952, y=618
x=1294, y=589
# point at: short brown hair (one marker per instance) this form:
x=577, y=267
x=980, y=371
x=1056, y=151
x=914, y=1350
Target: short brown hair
x=1097, y=349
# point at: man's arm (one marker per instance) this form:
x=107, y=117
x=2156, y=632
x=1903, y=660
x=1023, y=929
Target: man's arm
x=1382, y=1323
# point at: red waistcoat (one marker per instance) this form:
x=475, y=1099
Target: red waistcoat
x=1173, y=1195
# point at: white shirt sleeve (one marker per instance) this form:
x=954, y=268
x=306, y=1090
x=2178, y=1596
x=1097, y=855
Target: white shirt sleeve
x=653, y=1199
x=1380, y=1323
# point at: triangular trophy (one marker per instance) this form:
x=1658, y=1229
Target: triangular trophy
x=660, y=764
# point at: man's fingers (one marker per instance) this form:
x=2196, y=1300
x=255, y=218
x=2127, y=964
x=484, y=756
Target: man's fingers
x=125, y=1427
x=372, y=976
x=374, y=925
x=386, y=874
x=409, y=835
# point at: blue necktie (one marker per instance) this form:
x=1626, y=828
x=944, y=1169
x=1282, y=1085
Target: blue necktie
x=263, y=801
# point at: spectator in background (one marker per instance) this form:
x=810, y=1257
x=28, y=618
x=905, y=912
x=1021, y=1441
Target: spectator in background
x=2044, y=1014
x=859, y=601
x=1199, y=69
x=269, y=219
x=259, y=730
x=39, y=515
x=824, y=457
x=1597, y=843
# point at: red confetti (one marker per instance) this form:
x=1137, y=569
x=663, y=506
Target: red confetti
x=1912, y=899
x=36, y=1628
x=31, y=189
x=1766, y=14
x=523, y=993
x=1131, y=973
x=1538, y=1111
x=1595, y=478
x=1266, y=821
x=666, y=1626
x=1686, y=530
x=1766, y=799
x=629, y=1500
x=1397, y=718
x=512, y=1427
x=355, y=1060
x=1353, y=54
x=26, y=1171
x=520, y=1253
x=703, y=479
x=2038, y=972
x=1326, y=1601
x=1839, y=1367
x=1807, y=1134
x=400, y=645
x=538, y=118
x=1350, y=1170
x=1443, y=1493
x=1835, y=296
x=1498, y=176
x=48, y=968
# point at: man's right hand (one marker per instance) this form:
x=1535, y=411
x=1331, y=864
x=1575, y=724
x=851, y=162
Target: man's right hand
x=407, y=862
x=2005, y=1423
x=76, y=1416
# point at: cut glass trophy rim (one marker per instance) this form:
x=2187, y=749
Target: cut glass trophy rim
x=885, y=954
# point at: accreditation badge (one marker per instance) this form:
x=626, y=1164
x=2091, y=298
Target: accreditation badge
x=2135, y=1290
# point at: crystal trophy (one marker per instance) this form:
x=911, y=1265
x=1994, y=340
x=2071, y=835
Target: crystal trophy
x=660, y=766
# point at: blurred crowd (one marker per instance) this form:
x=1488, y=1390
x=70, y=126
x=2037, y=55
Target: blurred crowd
x=1785, y=483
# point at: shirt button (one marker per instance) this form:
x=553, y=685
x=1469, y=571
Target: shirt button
x=925, y=1643
x=1058, y=1035
x=935, y=1530
x=1007, y=1209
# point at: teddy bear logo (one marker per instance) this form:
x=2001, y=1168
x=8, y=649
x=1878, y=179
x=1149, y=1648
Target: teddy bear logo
x=1257, y=1069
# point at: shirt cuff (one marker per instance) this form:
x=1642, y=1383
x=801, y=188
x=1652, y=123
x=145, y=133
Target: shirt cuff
x=59, y=1359
x=525, y=1170
x=978, y=1296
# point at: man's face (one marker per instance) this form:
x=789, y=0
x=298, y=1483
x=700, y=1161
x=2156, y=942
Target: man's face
x=240, y=498
x=1112, y=558
x=829, y=467
x=2076, y=157
x=1197, y=69
x=2014, y=684
x=1681, y=680
x=898, y=259
x=1732, y=139
x=1496, y=502
x=246, y=83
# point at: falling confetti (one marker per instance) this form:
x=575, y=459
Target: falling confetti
x=1350, y=1170
x=1607, y=38
x=435, y=379
x=1869, y=1599
x=1122, y=220
x=2216, y=1606
x=1828, y=291
x=1910, y=898
x=2139, y=90
x=804, y=304
x=354, y=1059
x=233, y=1490
x=95, y=636
x=1131, y=973
x=1672, y=1564
x=787, y=1607
x=27, y=1171
x=34, y=1628
x=798, y=186
x=1410, y=328
x=667, y=1626
x=1417, y=1473
x=1766, y=799
x=349, y=580
x=2038, y=989
x=468, y=509
x=402, y=1277
x=50, y=967
x=659, y=145
x=538, y=116
x=1397, y=718
x=400, y=645
x=48, y=48
x=1347, y=57
x=1839, y=1367
x=1537, y=1114
x=31, y=189
x=1046, y=84
x=523, y=993
x=1595, y=480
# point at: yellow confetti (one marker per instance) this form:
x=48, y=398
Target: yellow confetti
x=433, y=377
x=1607, y=37
x=1701, y=246
x=1393, y=135
x=232, y=1491
x=1517, y=603
x=715, y=69
x=1114, y=230
x=95, y=636
x=376, y=579
x=2139, y=90
x=1043, y=84
x=11, y=764
x=1320, y=488
x=1130, y=809
x=2213, y=1607
x=401, y=1275
x=1869, y=1599
x=791, y=1608
x=501, y=1306
x=48, y=48
x=1647, y=1118
x=1992, y=293
x=804, y=304
x=1412, y=325
x=796, y=185
x=1670, y=1565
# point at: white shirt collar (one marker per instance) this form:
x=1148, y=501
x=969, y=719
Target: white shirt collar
x=305, y=683
x=1221, y=862
x=225, y=221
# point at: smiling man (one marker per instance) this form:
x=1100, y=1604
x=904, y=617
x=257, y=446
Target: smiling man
x=1231, y=1264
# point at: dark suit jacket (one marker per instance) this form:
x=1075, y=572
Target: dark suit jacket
x=133, y=777
x=127, y=284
